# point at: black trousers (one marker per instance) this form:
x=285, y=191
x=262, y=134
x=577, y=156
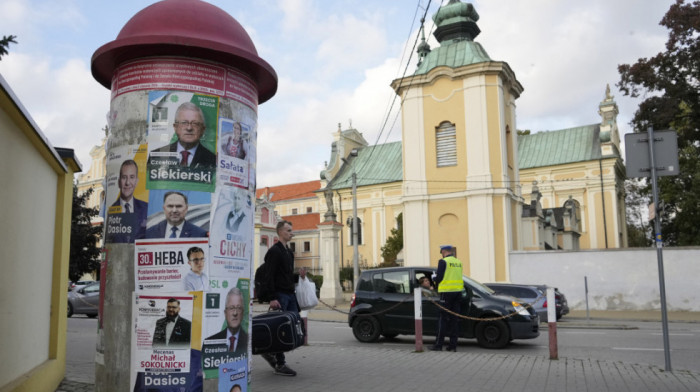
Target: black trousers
x=448, y=326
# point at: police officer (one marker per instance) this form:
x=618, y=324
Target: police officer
x=450, y=287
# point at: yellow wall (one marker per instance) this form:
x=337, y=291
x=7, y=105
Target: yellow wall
x=582, y=181
x=377, y=207
x=449, y=226
x=444, y=102
x=33, y=285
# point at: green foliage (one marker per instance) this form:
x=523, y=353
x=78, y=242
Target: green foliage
x=669, y=82
x=393, y=244
x=636, y=202
x=346, y=273
x=317, y=279
x=523, y=132
x=5, y=44
x=84, y=253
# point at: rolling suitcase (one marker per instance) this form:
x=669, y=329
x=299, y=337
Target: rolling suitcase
x=275, y=332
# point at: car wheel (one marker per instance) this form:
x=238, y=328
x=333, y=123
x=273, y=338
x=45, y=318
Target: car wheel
x=92, y=315
x=366, y=329
x=492, y=334
x=70, y=309
x=390, y=335
x=559, y=316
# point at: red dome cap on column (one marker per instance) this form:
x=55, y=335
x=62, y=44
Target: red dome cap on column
x=189, y=28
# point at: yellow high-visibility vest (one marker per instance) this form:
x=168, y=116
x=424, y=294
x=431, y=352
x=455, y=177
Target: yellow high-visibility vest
x=452, y=281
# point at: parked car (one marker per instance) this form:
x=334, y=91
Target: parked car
x=383, y=305
x=528, y=295
x=535, y=295
x=84, y=300
x=79, y=284
x=561, y=302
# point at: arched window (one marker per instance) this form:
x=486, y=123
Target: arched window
x=446, y=144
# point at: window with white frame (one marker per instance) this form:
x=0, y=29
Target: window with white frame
x=446, y=144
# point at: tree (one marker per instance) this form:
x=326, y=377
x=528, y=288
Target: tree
x=84, y=236
x=394, y=243
x=5, y=44
x=636, y=203
x=670, y=83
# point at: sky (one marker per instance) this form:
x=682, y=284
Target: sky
x=335, y=61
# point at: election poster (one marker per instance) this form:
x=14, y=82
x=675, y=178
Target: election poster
x=178, y=214
x=233, y=377
x=171, y=265
x=126, y=197
x=226, y=325
x=231, y=232
x=182, y=141
x=165, y=342
x=234, y=140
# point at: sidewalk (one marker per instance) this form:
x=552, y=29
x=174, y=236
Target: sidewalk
x=324, y=367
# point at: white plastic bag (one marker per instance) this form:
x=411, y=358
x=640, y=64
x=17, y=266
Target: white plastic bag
x=306, y=294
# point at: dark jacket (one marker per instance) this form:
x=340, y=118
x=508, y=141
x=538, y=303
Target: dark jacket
x=179, y=337
x=188, y=231
x=202, y=157
x=281, y=261
x=242, y=346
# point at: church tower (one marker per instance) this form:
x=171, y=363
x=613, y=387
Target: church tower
x=459, y=150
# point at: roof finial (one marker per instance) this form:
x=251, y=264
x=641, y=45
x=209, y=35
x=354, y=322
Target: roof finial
x=423, y=47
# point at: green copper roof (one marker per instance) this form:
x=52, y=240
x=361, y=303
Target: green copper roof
x=455, y=54
x=378, y=164
x=550, y=148
x=456, y=30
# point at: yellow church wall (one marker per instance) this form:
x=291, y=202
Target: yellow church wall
x=443, y=102
x=448, y=226
x=377, y=207
x=581, y=180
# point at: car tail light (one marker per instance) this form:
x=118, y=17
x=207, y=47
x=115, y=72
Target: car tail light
x=352, y=302
x=544, y=305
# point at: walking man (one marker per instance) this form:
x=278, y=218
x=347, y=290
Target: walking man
x=450, y=286
x=281, y=268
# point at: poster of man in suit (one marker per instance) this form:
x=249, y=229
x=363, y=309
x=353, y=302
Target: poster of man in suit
x=226, y=325
x=128, y=208
x=232, y=231
x=182, y=149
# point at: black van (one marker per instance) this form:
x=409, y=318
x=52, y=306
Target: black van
x=383, y=305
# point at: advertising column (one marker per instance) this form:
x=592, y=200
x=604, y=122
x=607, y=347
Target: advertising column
x=180, y=186
x=184, y=195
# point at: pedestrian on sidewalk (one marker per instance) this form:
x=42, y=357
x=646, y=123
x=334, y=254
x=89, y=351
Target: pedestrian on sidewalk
x=450, y=286
x=281, y=268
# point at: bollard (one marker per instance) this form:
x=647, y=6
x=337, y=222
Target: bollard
x=185, y=82
x=418, y=310
x=552, y=323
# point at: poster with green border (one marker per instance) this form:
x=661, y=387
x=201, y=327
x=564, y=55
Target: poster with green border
x=182, y=130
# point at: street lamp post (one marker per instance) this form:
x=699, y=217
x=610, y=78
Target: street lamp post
x=355, y=262
x=355, y=251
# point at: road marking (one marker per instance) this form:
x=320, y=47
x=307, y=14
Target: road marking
x=637, y=349
x=583, y=332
